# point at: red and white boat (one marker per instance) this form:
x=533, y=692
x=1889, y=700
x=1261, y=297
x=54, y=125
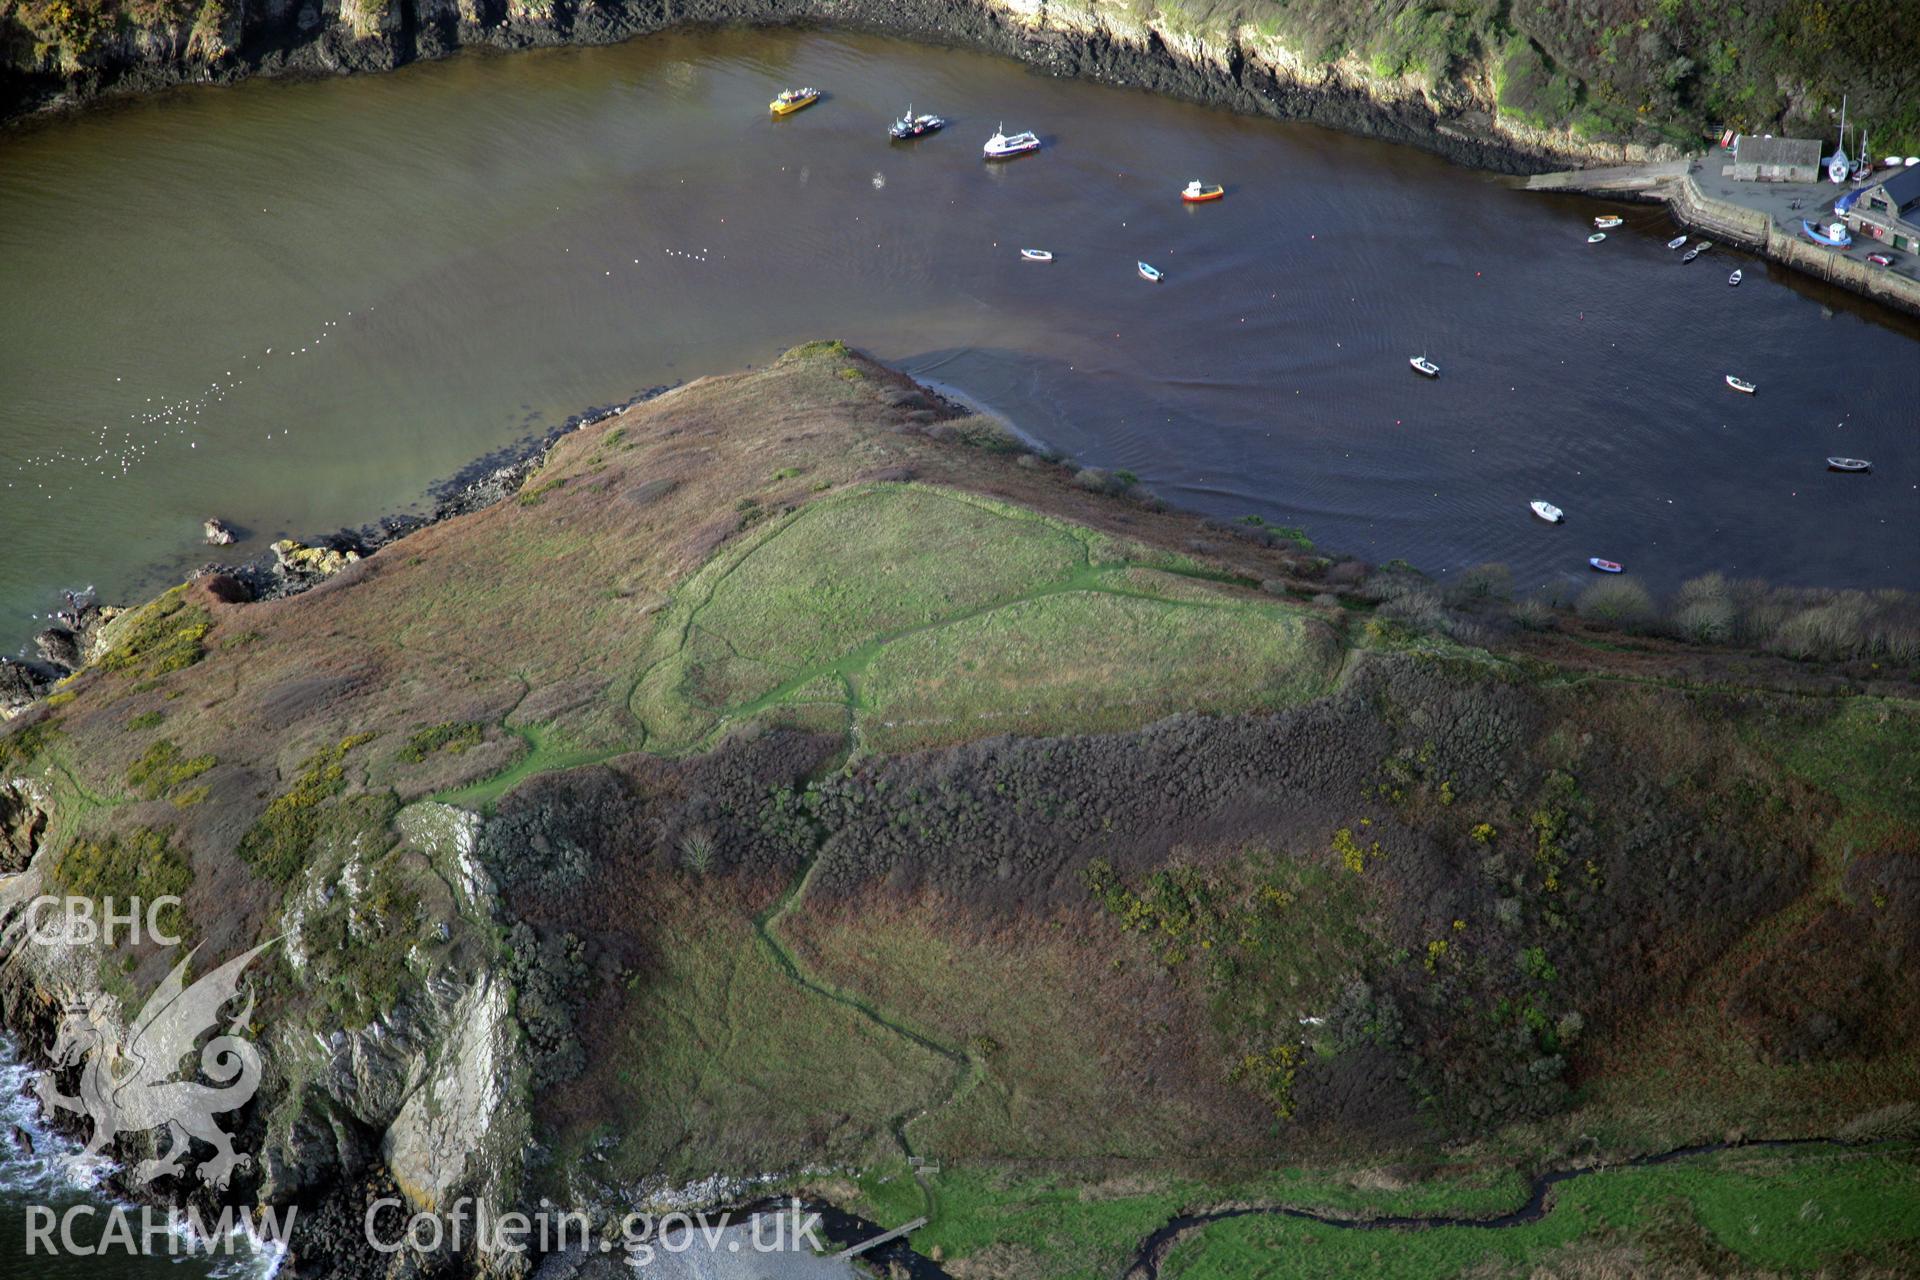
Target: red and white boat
x=1605, y=566
x=1196, y=192
x=1003, y=145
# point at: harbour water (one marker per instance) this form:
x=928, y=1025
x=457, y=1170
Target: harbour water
x=297, y=305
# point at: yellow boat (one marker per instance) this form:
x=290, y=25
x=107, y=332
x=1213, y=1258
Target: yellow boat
x=792, y=100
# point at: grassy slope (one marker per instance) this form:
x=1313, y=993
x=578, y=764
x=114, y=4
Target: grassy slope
x=792, y=547
x=733, y=1066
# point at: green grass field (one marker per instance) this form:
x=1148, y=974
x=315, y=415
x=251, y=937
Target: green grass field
x=1781, y=1211
x=1087, y=1227
x=1796, y=1212
x=931, y=615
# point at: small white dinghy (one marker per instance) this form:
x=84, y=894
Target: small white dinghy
x=1608, y=221
x=1036, y=255
x=1546, y=510
x=1596, y=237
x=1151, y=273
x=1676, y=242
x=1740, y=384
x=1734, y=279
x=1849, y=464
x=1422, y=365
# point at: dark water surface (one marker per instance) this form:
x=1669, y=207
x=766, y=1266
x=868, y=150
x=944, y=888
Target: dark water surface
x=444, y=259
x=48, y=1181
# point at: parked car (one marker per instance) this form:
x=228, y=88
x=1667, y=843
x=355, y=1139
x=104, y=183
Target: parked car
x=1879, y=259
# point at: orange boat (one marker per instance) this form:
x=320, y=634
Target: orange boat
x=1195, y=193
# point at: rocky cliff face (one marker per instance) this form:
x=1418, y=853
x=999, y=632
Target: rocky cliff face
x=62, y=54
x=427, y=1101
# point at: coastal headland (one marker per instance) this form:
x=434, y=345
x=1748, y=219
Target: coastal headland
x=797, y=784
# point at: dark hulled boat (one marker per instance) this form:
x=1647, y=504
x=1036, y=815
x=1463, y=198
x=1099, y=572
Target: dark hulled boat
x=911, y=126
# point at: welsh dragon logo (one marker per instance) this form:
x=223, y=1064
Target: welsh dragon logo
x=132, y=1087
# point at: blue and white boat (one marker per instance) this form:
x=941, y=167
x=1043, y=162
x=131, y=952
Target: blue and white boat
x=1844, y=240
x=1151, y=273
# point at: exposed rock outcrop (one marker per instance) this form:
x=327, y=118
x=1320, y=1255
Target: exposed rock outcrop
x=24, y=814
x=72, y=641
x=58, y=647
x=428, y=1096
x=20, y=686
x=296, y=559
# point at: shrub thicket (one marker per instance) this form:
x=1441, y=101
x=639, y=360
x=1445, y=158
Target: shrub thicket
x=279, y=843
x=143, y=864
x=1669, y=70
x=1621, y=602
